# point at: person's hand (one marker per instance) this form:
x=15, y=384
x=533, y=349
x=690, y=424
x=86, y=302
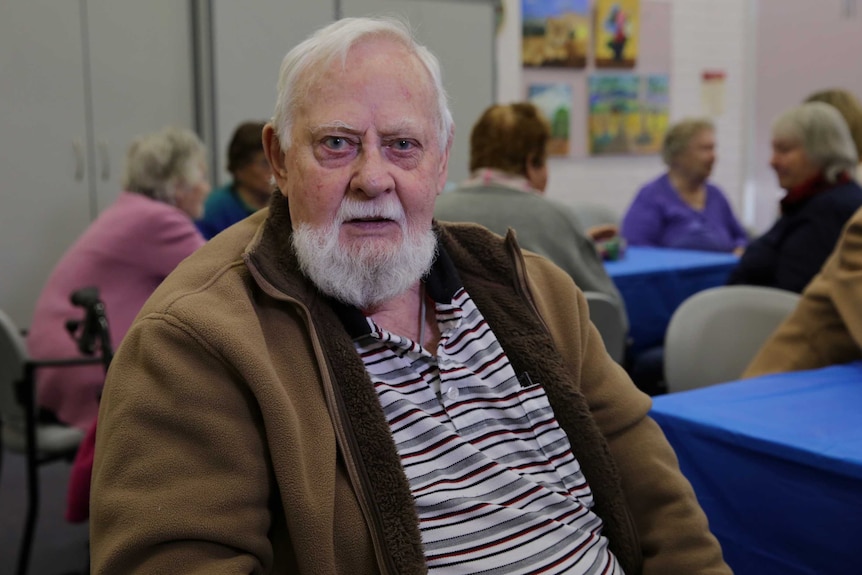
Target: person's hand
x=738, y=250
x=603, y=232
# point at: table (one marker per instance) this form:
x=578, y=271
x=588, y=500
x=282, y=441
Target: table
x=776, y=463
x=654, y=281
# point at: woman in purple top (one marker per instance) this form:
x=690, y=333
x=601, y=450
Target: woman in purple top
x=126, y=253
x=680, y=209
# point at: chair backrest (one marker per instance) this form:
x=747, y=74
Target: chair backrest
x=13, y=356
x=609, y=318
x=592, y=214
x=714, y=334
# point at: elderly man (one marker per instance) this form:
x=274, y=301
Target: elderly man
x=338, y=385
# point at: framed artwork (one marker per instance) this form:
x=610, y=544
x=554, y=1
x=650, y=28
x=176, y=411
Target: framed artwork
x=616, y=34
x=555, y=102
x=653, y=114
x=628, y=114
x=556, y=33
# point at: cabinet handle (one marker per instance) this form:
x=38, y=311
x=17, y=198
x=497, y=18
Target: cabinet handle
x=78, y=150
x=105, y=159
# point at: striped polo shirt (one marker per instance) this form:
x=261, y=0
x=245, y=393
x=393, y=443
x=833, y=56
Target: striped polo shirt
x=496, y=486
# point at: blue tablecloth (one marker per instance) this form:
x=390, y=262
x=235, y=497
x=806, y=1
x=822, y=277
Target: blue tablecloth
x=776, y=463
x=654, y=281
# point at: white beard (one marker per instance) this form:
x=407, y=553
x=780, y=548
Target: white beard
x=368, y=274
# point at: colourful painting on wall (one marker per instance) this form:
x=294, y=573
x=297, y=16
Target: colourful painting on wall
x=556, y=33
x=628, y=114
x=616, y=34
x=555, y=102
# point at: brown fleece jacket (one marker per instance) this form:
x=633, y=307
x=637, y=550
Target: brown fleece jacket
x=239, y=431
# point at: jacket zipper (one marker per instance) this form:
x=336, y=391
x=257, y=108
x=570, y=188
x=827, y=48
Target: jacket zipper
x=345, y=440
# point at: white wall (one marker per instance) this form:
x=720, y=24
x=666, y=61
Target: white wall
x=706, y=34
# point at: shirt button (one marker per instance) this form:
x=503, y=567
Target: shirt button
x=452, y=393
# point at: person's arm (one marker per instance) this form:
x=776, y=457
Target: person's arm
x=671, y=525
x=181, y=482
x=643, y=223
x=847, y=278
x=673, y=530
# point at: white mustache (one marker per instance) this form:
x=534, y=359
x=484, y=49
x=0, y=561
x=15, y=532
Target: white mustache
x=356, y=210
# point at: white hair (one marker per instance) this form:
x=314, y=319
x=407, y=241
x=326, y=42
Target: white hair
x=158, y=164
x=368, y=275
x=308, y=60
x=824, y=135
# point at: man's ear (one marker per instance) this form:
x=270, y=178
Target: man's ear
x=443, y=173
x=274, y=155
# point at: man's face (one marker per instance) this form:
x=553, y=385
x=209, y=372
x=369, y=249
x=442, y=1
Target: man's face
x=699, y=157
x=367, y=132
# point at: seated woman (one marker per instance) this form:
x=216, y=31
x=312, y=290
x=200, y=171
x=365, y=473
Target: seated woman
x=826, y=326
x=126, y=253
x=680, y=209
x=814, y=158
x=251, y=186
x=509, y=173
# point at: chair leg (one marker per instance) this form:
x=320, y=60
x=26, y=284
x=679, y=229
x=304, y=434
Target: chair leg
x=32, y=476
x=32, y=512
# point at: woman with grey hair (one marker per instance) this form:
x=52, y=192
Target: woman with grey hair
x=681, y=209
x=814, y=158
x=126, y=252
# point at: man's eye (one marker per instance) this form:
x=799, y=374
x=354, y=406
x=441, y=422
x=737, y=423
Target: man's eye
x=335, y=142
x=402, y=145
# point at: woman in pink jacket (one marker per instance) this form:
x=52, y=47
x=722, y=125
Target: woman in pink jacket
x=126, y=253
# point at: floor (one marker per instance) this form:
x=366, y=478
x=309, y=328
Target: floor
x=59, y=548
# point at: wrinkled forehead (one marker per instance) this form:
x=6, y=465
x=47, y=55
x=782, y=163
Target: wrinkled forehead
x=379, y=47
x=383, y=63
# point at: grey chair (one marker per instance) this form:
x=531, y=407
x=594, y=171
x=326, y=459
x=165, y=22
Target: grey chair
x=21, y=432
x=609, y=318
x=714, y=334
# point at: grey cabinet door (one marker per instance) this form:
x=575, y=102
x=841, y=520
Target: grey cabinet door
x=44, y=178
x=141, y=79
